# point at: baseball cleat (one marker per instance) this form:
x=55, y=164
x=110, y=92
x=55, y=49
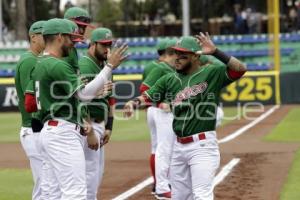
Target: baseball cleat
x=163, y=196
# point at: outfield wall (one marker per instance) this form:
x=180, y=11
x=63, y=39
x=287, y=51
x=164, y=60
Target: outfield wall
x=254, y=87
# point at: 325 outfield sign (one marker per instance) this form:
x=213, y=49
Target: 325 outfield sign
x=251, y=88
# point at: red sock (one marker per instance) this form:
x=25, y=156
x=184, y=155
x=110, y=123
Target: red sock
x=152, y=166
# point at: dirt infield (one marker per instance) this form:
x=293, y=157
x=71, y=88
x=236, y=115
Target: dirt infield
x=259, y=175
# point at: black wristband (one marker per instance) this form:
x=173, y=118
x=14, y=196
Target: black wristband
x=223, y=57
x=109, y=123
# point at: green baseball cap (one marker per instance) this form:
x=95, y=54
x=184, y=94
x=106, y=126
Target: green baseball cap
x=102, y=35
x=57, y=26
x=161, y=44
x=79, y=15
x=72, y=24
x=171, y=43
x=75, y=30
x=36, y=27
x=187, y=44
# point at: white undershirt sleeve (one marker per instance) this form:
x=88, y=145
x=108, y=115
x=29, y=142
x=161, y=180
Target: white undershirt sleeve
x=90, y=91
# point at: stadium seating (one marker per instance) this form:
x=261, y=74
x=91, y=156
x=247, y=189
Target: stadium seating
x=252, y=49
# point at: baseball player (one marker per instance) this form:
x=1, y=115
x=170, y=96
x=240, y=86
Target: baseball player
x=100, y=108
x=94, y=171
x=22, y=79
x=57, y=92
x=194, y=94
x=82, y=19
x=160, y=47
x=159, y=119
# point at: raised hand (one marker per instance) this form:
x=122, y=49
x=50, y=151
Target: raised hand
x=117, y=56
x=208, y=47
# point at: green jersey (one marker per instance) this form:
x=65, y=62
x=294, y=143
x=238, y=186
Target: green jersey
x=194, y=98
x=72, y=59
x=148, y=68
x=22, y=78
x=98, y=108
x=56, y=82
x=156, y=73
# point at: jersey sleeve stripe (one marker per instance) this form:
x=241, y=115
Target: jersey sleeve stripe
x=146, y=84
x=78, y=88
x=29, y=92
x=147, y=96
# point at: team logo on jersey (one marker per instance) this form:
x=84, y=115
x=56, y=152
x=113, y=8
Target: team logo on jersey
x=189, y=92
x=108, y=35
x=178, y=42
x=76, y=30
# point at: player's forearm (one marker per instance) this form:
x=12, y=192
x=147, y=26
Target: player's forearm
x=236, y=65
x=91, y=90
x=111, y=111
x=232, y=62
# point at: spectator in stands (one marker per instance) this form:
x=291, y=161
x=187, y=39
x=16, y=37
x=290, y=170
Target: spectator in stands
x=240, y=25
x=253, y=21
x=293, y=19
x=298, y=14
x=158, y=24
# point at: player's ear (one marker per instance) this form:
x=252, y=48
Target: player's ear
x=32, y=38
x=60, y=37
x=195, y=57
x=92, y=46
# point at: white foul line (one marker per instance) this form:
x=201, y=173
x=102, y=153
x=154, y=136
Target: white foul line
x=248, y=126
x=135, y=189
x=218, y=179
x=225, y=170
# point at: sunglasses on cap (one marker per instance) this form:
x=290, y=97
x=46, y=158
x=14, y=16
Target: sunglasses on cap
x=83, y=21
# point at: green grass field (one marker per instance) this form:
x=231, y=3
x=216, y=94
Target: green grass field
x=15, y=184
x=290, y=190
x=10, y=127
x=288, y=130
